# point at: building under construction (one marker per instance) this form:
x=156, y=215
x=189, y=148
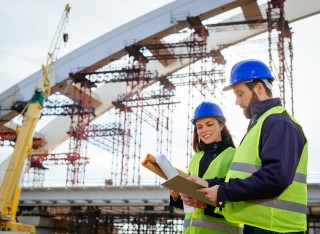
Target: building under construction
x=125, y=99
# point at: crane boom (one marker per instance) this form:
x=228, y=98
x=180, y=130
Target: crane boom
x=48, y=70
x=10, y=187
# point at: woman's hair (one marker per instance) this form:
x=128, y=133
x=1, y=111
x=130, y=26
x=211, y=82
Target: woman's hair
x=225, y=135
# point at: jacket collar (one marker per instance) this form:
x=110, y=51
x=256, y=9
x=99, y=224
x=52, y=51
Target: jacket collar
x=258, y=108
x=215, y=147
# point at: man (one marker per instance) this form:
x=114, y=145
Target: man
x=265, y=188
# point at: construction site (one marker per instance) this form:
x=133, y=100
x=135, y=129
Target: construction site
x=111, y=107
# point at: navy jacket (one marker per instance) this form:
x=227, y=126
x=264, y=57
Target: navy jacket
x=280, y=148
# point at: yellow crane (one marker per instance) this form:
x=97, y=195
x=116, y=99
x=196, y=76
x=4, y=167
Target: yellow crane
x=10, y=187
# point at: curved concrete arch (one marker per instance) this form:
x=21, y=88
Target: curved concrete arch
x=147, y=29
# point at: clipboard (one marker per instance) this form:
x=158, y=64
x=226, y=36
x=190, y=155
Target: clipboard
x=185, y=186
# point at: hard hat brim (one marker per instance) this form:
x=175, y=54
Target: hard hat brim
x=227, y=88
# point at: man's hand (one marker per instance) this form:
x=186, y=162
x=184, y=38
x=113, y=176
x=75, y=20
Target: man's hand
x=198, y=180
x=210, y=193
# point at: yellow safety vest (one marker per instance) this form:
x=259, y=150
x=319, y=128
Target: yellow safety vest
x=285, y=213
x=198, y=222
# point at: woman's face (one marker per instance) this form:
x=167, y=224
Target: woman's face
x=209, y=129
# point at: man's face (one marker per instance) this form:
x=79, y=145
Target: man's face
x=244, y=98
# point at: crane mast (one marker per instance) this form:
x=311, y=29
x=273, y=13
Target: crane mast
x=10, y=187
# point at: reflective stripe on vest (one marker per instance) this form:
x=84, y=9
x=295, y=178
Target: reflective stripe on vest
x=249, y=168
x=186, y=223
x=275, y=203
x=215, y=226
x=281, y=204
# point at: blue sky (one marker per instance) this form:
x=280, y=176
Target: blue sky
x=27, y=28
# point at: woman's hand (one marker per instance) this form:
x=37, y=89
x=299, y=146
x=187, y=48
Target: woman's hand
x=192, y=202
x=175, y=195
x=198, y=180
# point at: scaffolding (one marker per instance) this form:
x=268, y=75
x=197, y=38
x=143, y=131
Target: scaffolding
x=281, y=62
x=148, y=102
x=125, y=219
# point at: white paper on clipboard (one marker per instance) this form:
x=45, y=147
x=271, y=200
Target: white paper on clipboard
x=171, y=172
x=166, y=166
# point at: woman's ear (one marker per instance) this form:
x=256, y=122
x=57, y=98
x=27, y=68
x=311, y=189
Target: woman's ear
x=221, y=126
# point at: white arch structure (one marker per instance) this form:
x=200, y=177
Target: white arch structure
x=147, y=29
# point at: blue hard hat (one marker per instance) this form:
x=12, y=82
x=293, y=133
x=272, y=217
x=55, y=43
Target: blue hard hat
x=208, y=109
x=247, y=71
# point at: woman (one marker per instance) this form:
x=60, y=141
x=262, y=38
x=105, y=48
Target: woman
x=214, y=150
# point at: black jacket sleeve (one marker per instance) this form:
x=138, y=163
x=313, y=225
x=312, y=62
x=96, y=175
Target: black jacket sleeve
x=176, y=203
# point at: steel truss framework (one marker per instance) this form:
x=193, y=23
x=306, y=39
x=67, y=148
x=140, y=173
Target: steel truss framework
x=137, y=106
